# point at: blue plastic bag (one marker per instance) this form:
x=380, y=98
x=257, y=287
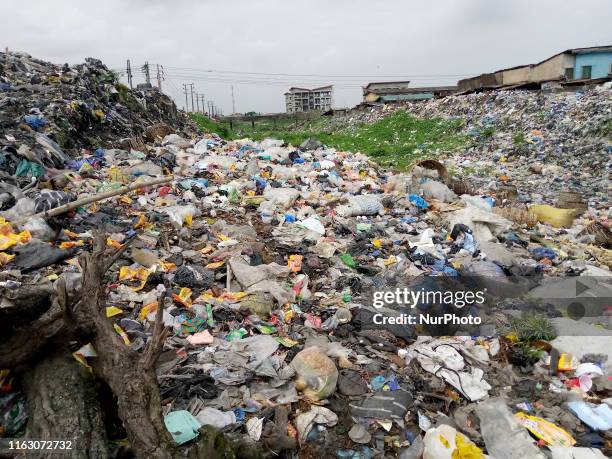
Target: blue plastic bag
x=418, y=201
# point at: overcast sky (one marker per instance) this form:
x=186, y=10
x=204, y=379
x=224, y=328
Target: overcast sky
x=344, y=42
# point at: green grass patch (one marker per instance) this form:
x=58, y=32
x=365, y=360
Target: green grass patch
x=533, y=327
x=395, y=141
x=208, y=125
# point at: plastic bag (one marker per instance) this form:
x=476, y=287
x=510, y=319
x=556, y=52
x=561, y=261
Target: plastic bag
x=365, y=204
x=216, y=418
x=317, y=373
x=559, y=218
x=283, y=197
x=597, y=417
x=504, y=436
x=181, y=214
x=444, y=442
x=312, y=224
x=433, y=189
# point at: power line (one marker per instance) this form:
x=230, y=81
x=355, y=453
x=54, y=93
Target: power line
x=290, y=82
x=318, y=74
x=291, y=79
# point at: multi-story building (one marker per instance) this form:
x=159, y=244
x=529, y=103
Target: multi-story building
x=303, y=100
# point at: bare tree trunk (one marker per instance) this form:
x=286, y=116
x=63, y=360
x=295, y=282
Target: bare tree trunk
x=63, y=405
x=129, y=374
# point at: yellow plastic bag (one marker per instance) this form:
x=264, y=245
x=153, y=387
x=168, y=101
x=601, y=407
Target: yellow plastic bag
x=559, y=218
x=141, y=274
x=466, y=449
x=553, y=435
x=112, y=311
x=147, y=309
x=8, y=238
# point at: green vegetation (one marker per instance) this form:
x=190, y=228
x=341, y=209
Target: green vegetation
x=397, y=140
x=518, y=139
x=488, y=132
x=533, y=327
x=208, y=125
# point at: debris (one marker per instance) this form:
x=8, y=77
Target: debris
x=317, y=373
x=182, y=425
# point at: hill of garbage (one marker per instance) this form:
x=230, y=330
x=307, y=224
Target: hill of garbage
x=83, y=106
x=299, y=300
x=561, y=138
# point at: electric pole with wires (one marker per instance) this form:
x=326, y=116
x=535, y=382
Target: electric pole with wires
x=233, y=101
x=160, y=76
x=145, y=69
x=129, y=73
x=186, y=92
x=191, y=89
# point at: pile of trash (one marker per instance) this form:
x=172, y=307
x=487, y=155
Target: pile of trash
x=524, y=138
x=45, y=106
x=272, y=254
x=287, y=272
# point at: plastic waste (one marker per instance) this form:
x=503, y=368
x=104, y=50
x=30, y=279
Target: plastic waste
x=418, y=201
x=597, y=417
x=182, y=426
x=312, y=224
x=550, y=433
x=317, y=374
x=576, y=453
x=445, y=442
x=180, y=215
x=317, y=415
x=504, y=437
x=366, y=204
x=213, y=417
x=433, y=189
x=559, y=218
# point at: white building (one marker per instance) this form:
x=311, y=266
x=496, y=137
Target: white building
x=303, y=100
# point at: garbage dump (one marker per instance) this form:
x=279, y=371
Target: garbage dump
x=303, y=300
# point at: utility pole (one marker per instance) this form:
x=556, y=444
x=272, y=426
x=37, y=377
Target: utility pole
x=191, y=89
x=160, y=76
x=145, y=69
x=209, y=113
x=129, y=73
x=233, y=101
x=198, y=101
x=185, y=91
x=203, y=107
